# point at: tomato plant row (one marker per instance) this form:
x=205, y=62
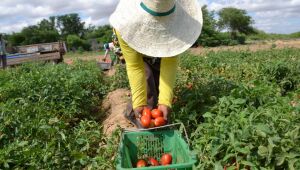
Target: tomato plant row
x=241, y=110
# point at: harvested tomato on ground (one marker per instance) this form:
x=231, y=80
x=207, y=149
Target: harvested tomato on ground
x=166, y=159
x=141, y=163
x=153, y=162
x=156, y=113
x=160, y=121
x=145, y=121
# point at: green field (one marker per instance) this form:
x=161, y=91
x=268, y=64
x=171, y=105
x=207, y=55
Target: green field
x=241, y=110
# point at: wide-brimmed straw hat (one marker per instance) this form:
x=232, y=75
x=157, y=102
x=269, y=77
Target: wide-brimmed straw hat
x=158, y=28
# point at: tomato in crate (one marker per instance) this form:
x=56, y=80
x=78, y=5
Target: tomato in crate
x=166, y=147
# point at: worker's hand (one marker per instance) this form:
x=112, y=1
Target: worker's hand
x=138, y=112
x=104, y=59
x=166, y=112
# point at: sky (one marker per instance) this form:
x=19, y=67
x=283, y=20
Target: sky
x=272, y=16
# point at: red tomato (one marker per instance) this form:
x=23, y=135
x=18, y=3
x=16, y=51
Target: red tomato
x=156, y=113
x=152, y=124
x=141, y=163
x=153, y=162
x=160, y=121
x=166, y=159
x=145, y=121
x=147, y=112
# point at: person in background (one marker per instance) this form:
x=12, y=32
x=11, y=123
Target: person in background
x=151, y=34
x=113, y=47
x=108, y=47
x=2, y=52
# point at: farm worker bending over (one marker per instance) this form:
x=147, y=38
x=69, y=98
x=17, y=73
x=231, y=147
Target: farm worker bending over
x=151, y=34
x=114, y=47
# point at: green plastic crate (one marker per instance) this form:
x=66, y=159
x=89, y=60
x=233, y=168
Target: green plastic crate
x=145, y=144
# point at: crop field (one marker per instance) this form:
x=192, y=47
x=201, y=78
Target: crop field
x=241, y=109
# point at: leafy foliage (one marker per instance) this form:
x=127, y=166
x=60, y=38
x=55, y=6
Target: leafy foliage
x=70, y=24
x=76, y=42
x=236, y=20
x=243, y=108
x=48, y=118
x=211, y=36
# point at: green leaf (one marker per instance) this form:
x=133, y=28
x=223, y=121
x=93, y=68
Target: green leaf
x=261, y=133
x=78, y=155
x=280, y=160
x=23, y=143
x=264, y=128
x=218, y=166
x=231, y=155
x=63, y=136
x=291, y=164
x=239, y=101
x=208, y=115
x=231, y=168
x=247, y=163
x=263, y=151
x=53, y=120
x=245, y=150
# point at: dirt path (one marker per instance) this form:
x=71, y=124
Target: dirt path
x=278, y=44
x=115, y=105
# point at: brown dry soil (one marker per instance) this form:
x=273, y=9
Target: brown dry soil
x=84, y=58
x=263, y=45
x=114, y=105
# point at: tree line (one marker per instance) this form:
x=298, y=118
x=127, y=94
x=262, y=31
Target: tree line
x=232, y=27
x=69, y=28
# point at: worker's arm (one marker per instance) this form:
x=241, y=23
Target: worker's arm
x=136, y=74
x=106, y=54
x=167, y=80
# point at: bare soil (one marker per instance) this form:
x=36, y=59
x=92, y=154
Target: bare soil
x=262, y=45
x=84, y=58
x=115, y=104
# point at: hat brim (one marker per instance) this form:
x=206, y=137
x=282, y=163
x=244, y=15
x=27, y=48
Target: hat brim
x=153, y=36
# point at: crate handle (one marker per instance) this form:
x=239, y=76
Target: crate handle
x=161, y=127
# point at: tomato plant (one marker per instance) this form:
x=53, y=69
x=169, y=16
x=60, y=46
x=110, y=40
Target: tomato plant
x=241, y=109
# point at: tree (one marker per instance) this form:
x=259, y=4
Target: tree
x=44, y=32
x=236, y=21
x=102, y=34
x=70, y=24
x=74, y=42
x=209, y=34
x=16, y=39
x=48, y=24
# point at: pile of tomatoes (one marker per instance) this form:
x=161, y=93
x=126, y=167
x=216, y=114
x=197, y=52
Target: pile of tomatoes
x=165, y=160
x=152, y=118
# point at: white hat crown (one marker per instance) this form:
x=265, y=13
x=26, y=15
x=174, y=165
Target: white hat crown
x=159, y=6
x=158, y=28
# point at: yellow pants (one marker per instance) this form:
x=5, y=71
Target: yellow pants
x=137, y=76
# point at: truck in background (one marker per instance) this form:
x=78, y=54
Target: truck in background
x=48, y=52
